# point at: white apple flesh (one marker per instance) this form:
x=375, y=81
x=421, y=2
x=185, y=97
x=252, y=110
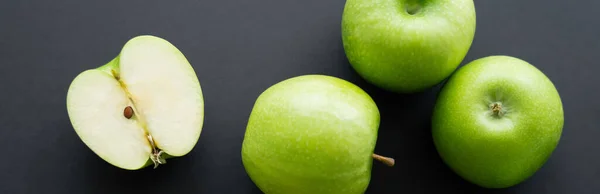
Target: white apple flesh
x=154, y=78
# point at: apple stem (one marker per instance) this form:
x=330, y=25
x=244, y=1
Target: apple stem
x=385, y=160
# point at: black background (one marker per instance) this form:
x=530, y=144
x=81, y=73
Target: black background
x=239, y=48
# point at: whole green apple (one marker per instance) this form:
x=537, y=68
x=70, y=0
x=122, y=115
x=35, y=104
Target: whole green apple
x=407, y=46
x=497, y=120
x=312, y=134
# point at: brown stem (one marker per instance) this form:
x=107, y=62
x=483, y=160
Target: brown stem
x=385, y=160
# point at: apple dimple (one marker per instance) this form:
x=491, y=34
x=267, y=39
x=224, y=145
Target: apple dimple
x=412, y=7
x=497, y=98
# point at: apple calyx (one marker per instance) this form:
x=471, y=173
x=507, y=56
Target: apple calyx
x=156, y=156
x=496, y=109
x=385, y=160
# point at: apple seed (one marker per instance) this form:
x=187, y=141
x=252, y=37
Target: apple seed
x=128, y=112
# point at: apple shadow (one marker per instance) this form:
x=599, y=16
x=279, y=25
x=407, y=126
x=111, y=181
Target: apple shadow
x=91, y=174
x=68, y=164
x=97, y=175
x=201, y=171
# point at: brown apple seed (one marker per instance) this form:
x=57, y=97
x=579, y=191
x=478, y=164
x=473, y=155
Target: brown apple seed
x=128, y=112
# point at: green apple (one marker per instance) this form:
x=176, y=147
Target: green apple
x=142, y=107
x=312, y=134
x=407, y=46
x=497, y=120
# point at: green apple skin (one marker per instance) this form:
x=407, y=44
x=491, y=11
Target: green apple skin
x=497, y=151
x=407, y=46
x=311, y=134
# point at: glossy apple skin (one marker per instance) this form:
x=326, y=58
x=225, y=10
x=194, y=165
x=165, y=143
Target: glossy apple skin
x=491, y=151
x=403, y=52
x=311, y=134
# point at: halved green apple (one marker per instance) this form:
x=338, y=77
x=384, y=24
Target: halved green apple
x=142, y=107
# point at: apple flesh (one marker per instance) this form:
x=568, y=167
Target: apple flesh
x=144, y=105
x=312, y=134
x=407, y=46
x=497, y=120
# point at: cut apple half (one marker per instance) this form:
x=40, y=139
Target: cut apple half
x=144, y=106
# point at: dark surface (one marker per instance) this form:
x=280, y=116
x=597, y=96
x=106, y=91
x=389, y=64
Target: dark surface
x=238, y=49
